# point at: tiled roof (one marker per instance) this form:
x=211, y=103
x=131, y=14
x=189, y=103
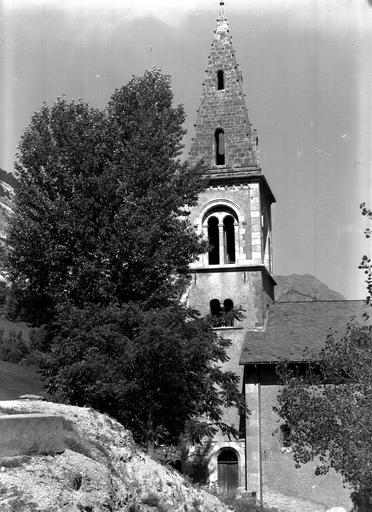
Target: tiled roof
x=293, y=327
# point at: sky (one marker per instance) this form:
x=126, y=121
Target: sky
x=307, y=72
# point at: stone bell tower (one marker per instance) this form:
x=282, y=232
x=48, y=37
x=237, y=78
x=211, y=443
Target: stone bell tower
x=233, y=213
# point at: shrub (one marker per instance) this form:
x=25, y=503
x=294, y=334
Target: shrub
x=37, y=345
x=13, y=348
x=239, y=502
x=152, y=500
x=15, y=461
x=3, y=292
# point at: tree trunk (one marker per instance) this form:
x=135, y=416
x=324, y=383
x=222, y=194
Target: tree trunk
x=150, y=433
x=363, y=501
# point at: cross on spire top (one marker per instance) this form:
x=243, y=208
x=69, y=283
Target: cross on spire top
x=222, y=9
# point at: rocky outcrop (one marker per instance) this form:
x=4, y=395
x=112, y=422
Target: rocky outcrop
x=295, y=288
x=100, y=470
x=8, y=184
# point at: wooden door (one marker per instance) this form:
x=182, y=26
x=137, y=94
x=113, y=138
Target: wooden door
x=228, y=476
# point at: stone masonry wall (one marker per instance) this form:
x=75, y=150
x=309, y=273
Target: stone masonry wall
x=246, y=201
x=223, y=109
x=279, y=471
x=244, y=288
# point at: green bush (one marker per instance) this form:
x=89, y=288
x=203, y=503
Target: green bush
x=15, y=461
x=239, y=502
x=3, y=292
x=37, y=346
x=13, y=348
x=152, y=500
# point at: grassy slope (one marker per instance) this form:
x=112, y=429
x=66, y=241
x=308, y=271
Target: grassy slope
x=16, y=380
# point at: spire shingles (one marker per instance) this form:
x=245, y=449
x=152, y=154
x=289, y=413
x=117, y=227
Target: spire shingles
x=223, y=135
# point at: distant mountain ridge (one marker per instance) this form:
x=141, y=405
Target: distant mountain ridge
x=295, y=288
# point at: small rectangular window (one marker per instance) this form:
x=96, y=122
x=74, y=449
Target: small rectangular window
x=220, y=80
x=220, y=146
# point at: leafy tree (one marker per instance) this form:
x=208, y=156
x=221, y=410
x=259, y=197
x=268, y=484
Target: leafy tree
x=158, y=371
x=157, y=189
x=101, y=208
x=55, y=243
x=328, y=407
x=100, y=247
x=365, y=264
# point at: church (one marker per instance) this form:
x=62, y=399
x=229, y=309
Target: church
x=234, y=214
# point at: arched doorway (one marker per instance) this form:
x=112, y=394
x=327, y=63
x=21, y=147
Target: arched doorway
x=228, y=475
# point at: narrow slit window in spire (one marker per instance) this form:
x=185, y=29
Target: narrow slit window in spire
x=220, y=146
x=220, y=80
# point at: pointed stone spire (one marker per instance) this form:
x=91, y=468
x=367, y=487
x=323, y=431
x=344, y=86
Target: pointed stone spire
x=222, y=22
x=222, y=9
x=223, y=135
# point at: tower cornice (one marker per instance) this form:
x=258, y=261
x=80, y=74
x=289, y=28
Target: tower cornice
x=254, y=267
x=241, y=177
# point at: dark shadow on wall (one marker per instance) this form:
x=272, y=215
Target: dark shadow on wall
x=198, y=470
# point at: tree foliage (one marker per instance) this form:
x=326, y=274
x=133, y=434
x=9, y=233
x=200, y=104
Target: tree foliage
x=365, y=264
x=101, y=209
x=328, y=407
x=158, y=370
x=100, y=245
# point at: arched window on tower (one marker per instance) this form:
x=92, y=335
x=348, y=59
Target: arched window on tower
x=228, y=307
x=216, y=312
x=222, y=316
x=214, y=243
x=220, y=146
x=229, y=239
x=220, y=80
x=221, y=225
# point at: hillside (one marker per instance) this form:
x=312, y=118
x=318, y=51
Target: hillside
x=8, y=178
x=8, y=184
x=101, y=470
x=17, y=380
x=305, y=287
